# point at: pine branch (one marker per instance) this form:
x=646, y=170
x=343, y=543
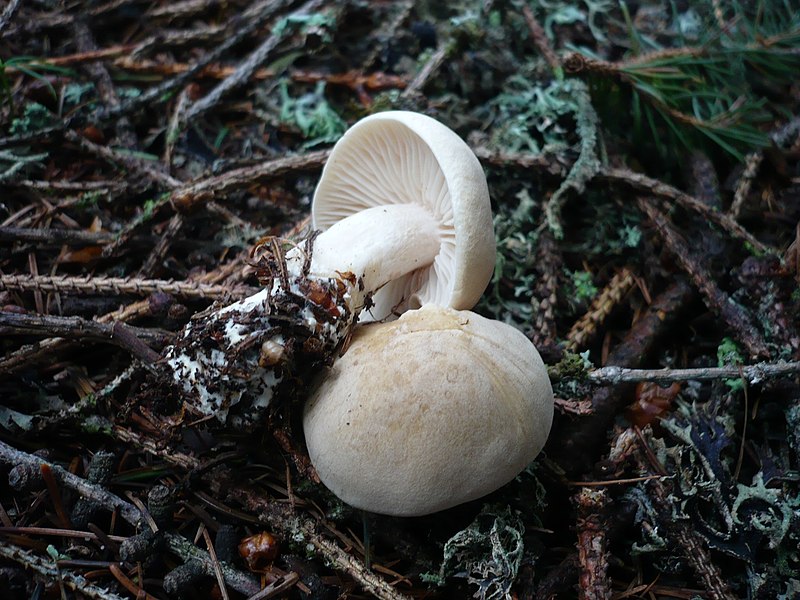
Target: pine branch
x=89, y=285
x=709, y=90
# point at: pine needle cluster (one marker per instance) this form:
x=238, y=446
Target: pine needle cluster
x=715, y=79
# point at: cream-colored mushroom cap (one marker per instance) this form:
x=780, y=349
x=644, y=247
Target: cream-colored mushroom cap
x=409, y=159
x=432, y=410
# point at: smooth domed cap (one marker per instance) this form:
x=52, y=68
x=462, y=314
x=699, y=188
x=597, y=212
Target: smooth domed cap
x=429, y=411
x=401, y=157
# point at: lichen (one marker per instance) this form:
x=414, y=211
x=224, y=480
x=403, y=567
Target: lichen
x=748, y=522
x=488, y=553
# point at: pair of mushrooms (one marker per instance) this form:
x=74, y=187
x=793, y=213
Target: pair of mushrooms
x=422, y=413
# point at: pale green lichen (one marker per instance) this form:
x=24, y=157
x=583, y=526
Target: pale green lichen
x=312, y=115
x=488, y=554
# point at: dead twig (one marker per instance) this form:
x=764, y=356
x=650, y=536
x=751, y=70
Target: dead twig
x=388, y=31
x=551, y=165
x=545, y=293
x=279, y=586
x=215, y=564
x=177, y=544
x=61, y=19
x=752, y=373
x=539, y=39
x=162, y=247
x=189, y=195
x=218, y=186
x=752, y=162
x=239, y=27
x=593, y=582
x=716, y=299
x=81, y=57
x=45, y=567
x=605, y=302
x=70, y=186
x=353, y=79
x=292, y=524
x=55, y=495
x=8, y=13
x=51, y=531
x=428, y=69
x=578, y=439
x=693, y=546
x=151, y=171
x=657, y=188
x=155, y=448
x=184, y=9
x=45, y=349
x=12, y=456
x=187, y=551
x=173, y=133
x=54, y=236
x=245, y=71
x=125, y=336
x=103, y=82
x=129, y=585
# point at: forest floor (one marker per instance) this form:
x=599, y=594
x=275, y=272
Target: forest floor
x=643, y=161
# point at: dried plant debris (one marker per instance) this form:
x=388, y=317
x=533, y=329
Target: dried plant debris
x=157, y=164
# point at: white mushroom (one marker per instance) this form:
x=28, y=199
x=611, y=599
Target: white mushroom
x=404, y=200
x=432, y=410
x=405, y=210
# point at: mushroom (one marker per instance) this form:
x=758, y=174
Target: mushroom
x=429, y=411
x=404, y=201
x=406, y=220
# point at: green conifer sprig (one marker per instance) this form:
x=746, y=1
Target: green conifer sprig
x=720, y=88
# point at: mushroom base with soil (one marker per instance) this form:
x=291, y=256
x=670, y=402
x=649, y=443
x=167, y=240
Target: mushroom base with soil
x=231, y=363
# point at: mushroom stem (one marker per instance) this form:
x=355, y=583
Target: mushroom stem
x=230, y=363
x=377, y=245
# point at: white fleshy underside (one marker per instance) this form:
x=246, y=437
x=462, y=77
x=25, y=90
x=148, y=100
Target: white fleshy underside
x=393, y=166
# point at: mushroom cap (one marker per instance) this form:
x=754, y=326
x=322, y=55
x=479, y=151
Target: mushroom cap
x=429, y=411
x=401, y=157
